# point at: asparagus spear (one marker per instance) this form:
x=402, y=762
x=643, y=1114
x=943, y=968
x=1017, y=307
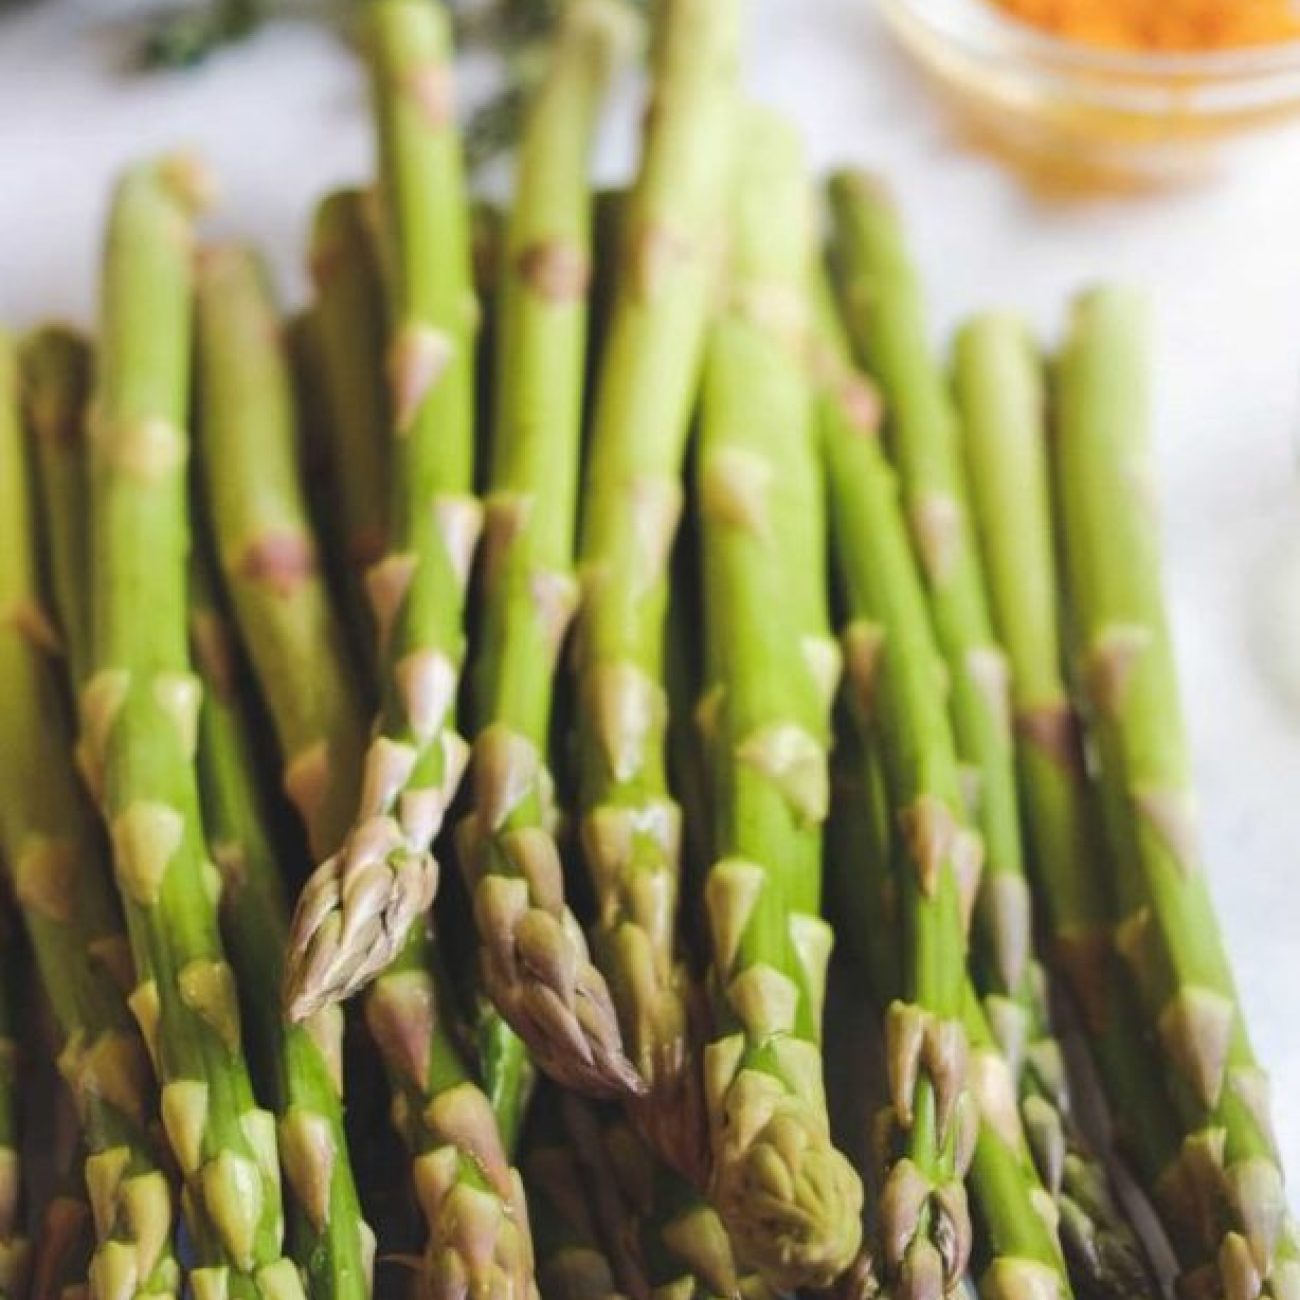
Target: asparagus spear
x=886, y=319
x=897, y=683
x=60, y=877
x=56, y=369
x=536, y=966
x=329, y=1242
x=266, y=551
x=15, y=1249
x=1002, y=399
x=354, y=915
x=472, y=1199
x=790, y=1201
x=140, y=718
x=348, y=328
x=645, y=391
x=1169, y=934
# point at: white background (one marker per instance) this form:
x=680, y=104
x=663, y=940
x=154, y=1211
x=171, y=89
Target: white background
x=283, y=118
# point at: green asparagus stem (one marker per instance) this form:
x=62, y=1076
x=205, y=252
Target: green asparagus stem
x=354, y=915
x=646, y=388
x=1002, y=399
x=536, y=966
x=140, y=722
x=266, y=551
x=57, y=370
x=349, y=330
x=1169, y=935
x=328, y=1240
x=790, y=1201
x=886, y=318
x=50, y=844
x=507, y=1070
x=608, y=223
x=15, y=1249
x=896, y=682
x=472, y=1199
x=487, y=245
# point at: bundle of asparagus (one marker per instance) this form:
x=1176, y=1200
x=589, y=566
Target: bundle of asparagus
x=701, y=441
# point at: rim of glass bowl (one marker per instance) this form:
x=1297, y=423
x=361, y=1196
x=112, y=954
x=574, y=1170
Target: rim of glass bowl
x=1224, y=82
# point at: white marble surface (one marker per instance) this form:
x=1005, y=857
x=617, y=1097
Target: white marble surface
x=283, y=118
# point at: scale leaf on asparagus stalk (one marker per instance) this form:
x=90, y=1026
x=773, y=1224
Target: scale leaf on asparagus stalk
x=356, y=910
x=790, y=1201
x=672, y=239
x=1001, y=394
x=139, y=717
x=897, y=685
x=301, y=1064
x=535, y=961
x=1168, y=935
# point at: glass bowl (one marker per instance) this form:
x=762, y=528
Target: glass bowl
x=1080, y=108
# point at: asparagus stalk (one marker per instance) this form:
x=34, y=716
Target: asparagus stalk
x=507, y=1071
x=472, y=1199
x=1002, y=399
x=886, y=318
x=140, y=721
x=348, y=329
x=15, y=1249
x=897, y=683
x=50, y=844
x=56, y=366
x=487, y=251
x=645, y=393
x=536, y=966
x=329, y=1242
x=354, y=915
x=1169, y=935
x=789, y=1200
x=265, y=547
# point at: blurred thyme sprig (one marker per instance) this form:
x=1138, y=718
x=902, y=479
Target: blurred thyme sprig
x=513, y=30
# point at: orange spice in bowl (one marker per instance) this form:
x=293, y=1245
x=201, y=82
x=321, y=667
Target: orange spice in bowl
x=1165, y=25
x=1080, y=93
